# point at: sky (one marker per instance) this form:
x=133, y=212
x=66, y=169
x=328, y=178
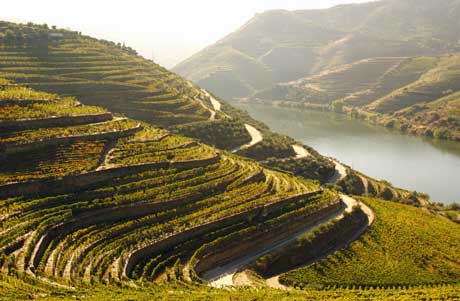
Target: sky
x=168, y=31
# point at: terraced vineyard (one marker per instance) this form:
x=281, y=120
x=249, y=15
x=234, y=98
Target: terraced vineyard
x=26, y=289
x=97, y=205
x=417, y=95
x=100, y=73
x=105, y=74
x=89, y=197
x=413, y=253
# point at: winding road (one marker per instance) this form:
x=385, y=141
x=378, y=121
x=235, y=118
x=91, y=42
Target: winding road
x=222, y=276
x=300, y=151
x=340, y=172
x=256, y=137
x=215, y=103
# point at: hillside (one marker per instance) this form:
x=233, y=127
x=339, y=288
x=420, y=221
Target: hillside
x=404, y=259
x=87, y=196
x=99, y=206
x=391, y=62
x=282, y=46
x=122, y=181
x=418, y=95
x=113, y=76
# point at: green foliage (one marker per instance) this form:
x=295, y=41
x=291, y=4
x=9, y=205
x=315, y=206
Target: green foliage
x=311, y=167
x=406, y=246
x=223, y=134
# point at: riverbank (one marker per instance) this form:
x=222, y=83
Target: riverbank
x=374, y=151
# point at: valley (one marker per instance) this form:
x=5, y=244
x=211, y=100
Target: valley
x=376, y=151
x=122, y=180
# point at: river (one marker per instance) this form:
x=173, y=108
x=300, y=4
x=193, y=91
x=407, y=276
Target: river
x=408, y=162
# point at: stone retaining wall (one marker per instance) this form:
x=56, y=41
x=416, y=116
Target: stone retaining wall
x=30, y=124
x=78, y=182
x=149, y=250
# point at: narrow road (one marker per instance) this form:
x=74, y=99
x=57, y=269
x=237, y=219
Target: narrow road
x=274, y=282
x=215, y=103
x=340, y=172
x=222, y=276
x=213, y=113
x=300, y=151
x=256, y=137
x=104, y=160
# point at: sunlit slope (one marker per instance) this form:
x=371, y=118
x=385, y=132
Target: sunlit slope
x=288, y=45
x=406, y=246
x=417, y=94
x=113, y=76
x=27, y=289
x=87, y=196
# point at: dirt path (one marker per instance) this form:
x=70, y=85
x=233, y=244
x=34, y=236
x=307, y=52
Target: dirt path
x=340, y=172
x=300, y=151
x=215, y=103
x=366, y=185
x=104, y=160
x=213, y=113
x=222, y=276
x=274, y=282
x=256, y=137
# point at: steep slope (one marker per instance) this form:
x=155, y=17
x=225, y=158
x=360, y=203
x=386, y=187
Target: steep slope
x=418, y=95
x=292, y=44
x=88, y=196
x=113, y=76
x=404, y=258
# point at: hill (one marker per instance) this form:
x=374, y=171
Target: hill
x=96, y=205
x=282, y=46
x=113, y=76
x=404, y=259
x=91, y=197
x=418, y=95
x=99, y=206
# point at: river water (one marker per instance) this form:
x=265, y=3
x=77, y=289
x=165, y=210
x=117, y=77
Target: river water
x=408, y=162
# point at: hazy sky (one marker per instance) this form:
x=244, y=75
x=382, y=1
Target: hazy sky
x=170, y=29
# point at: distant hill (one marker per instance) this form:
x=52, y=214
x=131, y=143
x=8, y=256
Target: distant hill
x=419, y=95
x=282, y=46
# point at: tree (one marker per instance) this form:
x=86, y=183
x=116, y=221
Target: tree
x=9, y=36
x=337, y=106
